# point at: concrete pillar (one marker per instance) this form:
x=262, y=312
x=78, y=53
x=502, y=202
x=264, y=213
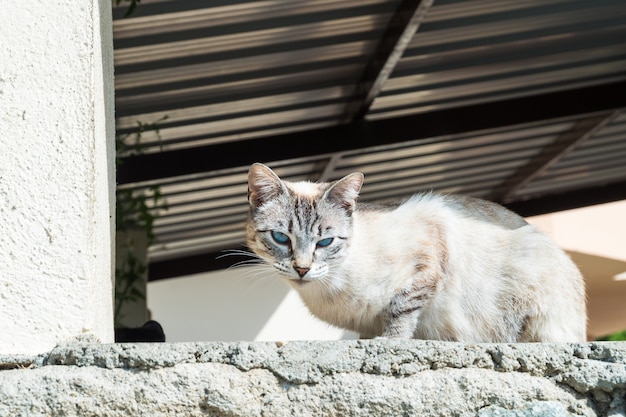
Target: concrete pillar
x=57, y=173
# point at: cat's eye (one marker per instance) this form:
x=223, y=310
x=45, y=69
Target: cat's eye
x=279, y=237
x=325, y=242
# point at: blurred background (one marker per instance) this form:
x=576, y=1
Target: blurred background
x=522, y=103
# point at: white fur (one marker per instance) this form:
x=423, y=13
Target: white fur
x=494, y=278
x=485, y=261
x=305, y=188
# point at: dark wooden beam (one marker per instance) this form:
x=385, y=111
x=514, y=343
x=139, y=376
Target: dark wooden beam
x=193, y=264
x=570, y=200
x=365, y=134
x=401, y=28
x=329, y=168
x=551, y=154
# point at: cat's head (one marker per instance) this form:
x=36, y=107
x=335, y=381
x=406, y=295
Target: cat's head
x=302, y=229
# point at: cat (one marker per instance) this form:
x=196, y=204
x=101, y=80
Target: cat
x=435, y=266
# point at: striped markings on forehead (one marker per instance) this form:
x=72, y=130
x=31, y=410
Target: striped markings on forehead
x=305, y=215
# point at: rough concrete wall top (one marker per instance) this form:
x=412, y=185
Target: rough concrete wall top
x=342, y=378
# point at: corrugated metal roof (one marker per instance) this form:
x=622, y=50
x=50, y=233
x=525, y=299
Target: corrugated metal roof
x=468, y=52
x=243, y=70
x=598, y=160
x=517, y=102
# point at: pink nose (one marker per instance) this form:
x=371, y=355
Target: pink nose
x=301, y=271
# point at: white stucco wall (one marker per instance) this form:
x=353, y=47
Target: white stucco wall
x=597, y=230
x=234, y=305
x=56, y=173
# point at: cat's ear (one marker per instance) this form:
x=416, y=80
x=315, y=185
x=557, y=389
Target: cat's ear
x=345, y=191
x=263, y=185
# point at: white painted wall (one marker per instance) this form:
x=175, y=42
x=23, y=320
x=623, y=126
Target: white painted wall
x=56, y=173
x=597, y=230
x=595, y=238
x=234, y=305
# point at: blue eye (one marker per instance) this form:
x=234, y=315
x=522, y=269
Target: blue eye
x=325, y=242
x=279, y=237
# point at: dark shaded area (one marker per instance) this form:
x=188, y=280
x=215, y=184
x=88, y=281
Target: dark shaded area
x=151, y=331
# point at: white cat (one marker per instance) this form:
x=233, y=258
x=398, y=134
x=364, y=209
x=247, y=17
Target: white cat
x=434, y=267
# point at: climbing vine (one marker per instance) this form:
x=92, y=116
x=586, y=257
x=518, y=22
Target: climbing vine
x=136, y=209
x=131, y=7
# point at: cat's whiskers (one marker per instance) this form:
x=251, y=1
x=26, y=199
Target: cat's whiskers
x=328, y=282
x=334, y=281
x=244, y=264
x=255, y=274
x=259, y=275
x=255, y=269
x=255, y=259
x=237, y=252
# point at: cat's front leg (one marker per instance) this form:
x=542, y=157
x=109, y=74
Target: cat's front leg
x=401, y=317
x=400, y=324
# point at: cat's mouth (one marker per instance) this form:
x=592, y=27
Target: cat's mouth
x=300, y=282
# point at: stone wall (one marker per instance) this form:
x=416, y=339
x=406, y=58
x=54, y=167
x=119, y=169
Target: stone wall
x=342, y=378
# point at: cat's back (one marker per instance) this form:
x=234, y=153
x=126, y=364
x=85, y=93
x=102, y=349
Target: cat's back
x=432, y=211
x=517, y=284
x=462, y=207
x=486, y=211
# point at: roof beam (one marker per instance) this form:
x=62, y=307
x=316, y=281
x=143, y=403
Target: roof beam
x=365, y=134
x=570, y=200
x=551, y=154
x=192, y=264
x=329, y=168
x=401, y=29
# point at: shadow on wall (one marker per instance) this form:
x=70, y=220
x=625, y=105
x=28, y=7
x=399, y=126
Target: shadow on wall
x=606, y=308
x=233, y=305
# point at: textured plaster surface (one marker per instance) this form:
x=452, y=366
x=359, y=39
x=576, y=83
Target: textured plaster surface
x=341, y=378
x=56, y=173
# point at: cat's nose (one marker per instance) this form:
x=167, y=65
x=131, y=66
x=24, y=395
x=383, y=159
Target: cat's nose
x=301, y=271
